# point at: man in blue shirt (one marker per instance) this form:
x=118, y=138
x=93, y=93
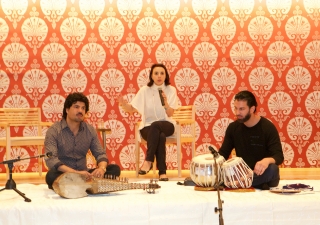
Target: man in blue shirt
x=69, y=141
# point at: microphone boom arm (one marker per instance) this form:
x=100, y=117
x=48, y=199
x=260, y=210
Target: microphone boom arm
x=49, y=154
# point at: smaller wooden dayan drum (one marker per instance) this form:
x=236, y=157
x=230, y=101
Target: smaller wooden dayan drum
x=236, y=173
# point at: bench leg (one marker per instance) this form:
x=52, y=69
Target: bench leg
x=40, y=160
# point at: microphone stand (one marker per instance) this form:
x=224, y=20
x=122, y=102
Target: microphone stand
x=11, y=184
x=217, y=186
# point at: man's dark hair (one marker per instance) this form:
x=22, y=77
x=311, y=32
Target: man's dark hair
x=166, y=81
x=247, y=96
x=73, y=98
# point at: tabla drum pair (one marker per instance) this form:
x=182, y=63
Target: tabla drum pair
x=234, y=173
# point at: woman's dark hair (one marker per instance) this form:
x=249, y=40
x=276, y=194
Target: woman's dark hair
x=73, y=98
x=247, y=96
x=166, y=81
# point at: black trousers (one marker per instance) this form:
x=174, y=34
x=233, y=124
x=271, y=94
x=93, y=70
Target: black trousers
x=155, y=135
x=112, y=171
x=270, y=176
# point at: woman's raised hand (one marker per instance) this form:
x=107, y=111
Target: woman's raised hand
x=121, y=100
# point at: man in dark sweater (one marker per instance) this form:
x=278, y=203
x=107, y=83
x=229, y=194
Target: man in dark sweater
x=256, y=140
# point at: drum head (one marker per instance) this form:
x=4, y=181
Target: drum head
x=233, y=162
x=207, y=159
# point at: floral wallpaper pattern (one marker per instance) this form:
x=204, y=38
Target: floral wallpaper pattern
x=212, y=49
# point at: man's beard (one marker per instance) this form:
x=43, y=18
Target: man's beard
x=245, y=119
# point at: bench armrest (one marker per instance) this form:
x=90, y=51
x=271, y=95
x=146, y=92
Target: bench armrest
x=4, y=124
x=46, y=124
x=188, y=121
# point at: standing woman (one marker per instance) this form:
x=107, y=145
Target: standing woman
x=156, y=122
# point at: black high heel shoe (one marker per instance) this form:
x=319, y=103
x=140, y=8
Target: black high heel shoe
x=163, y=178
x=143, y=172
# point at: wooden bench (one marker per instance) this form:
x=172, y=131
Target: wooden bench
x=12, y=119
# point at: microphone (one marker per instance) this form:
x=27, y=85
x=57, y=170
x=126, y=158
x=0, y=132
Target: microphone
x=213, y=151
x=161, y=97
x=48, y=155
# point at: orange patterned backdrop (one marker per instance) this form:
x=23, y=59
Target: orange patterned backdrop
x=212, y=49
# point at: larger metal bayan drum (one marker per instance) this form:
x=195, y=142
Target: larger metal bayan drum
x=202, y=170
